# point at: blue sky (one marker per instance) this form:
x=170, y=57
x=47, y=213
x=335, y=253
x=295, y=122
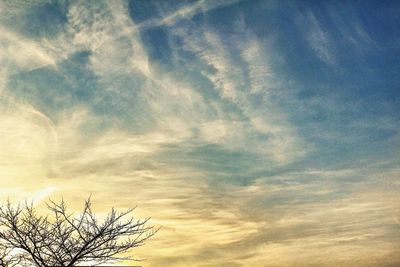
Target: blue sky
x=269, y=128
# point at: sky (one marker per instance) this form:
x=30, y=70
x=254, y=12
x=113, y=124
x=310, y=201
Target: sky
x=255, y=133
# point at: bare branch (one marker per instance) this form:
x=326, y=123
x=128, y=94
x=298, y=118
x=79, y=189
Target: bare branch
x=66, y=240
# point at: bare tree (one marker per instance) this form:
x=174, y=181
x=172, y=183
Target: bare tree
x=61, y=239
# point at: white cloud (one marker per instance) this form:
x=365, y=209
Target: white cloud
x=319, y=39
x=186, y=12
x=284, y=218
x=283, y=144
x=22, y=52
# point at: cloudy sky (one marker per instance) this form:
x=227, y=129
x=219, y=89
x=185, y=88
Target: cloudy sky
x=256, y=133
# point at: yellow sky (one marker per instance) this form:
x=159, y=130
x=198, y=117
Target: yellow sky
x=252, y=141
x=200, y=225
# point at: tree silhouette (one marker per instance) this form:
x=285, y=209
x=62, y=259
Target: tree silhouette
x=61, y=239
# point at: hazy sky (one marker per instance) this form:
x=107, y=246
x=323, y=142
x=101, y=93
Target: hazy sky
x=256, y=133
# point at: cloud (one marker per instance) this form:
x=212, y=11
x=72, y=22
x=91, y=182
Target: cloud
x=22, y=52
x=165, y=95
x=319, y=38
x=235, y=86
x=275, y=230
x=205, y=144
x=186, y=12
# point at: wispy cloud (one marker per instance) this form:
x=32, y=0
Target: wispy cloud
x=318, y=37
x=186, y=12
x=238, y=87
x=241, y=162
